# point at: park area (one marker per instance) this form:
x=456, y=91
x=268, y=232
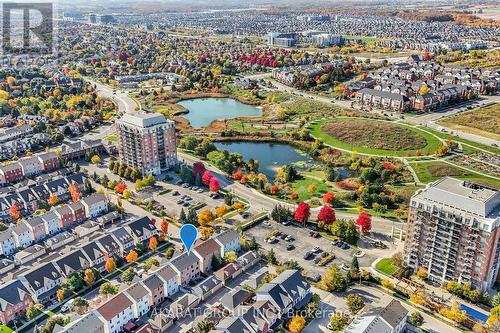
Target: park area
x=386, y=266
x=483, y=121
x=375, y=137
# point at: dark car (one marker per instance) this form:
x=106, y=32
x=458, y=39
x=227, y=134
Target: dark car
x=290, y=247
x=175, y=193
x=308, y=255
x=283, y=236
x=314, y=278
x=317, y=259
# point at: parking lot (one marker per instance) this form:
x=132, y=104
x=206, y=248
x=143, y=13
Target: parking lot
x=303, y=243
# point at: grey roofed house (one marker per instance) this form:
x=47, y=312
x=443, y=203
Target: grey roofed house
x=167, y=273
x=110, y=244
x=227, y=236
x=233, y=325
x=12, y=293
x=153, y=282
x=45, y=156
x=256, y=278
x=108, y=218
x=185, y=260
x=295, y=285
x=58, y=185
x=183, y=303
x=94, y=198
x=13, y=199
x=206, y=286
x=278, y=295
x=73, y=262
x=235, y=297
x=78, y=178
x=38, y=277
x=140, y=226
x=27, y=195
x=394, y=313
x=19, y=228
x=88, y=323
x=137, y=291
x=123, y=236
x=41, y=191
x=248, y=259
x=93, y=251
x=379, y=319
x=35, y=221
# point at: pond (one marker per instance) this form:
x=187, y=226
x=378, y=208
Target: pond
x=271, y=156
x=202, y=111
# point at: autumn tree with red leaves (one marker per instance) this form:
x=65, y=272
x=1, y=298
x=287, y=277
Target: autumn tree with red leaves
x=328, y=198
x=153, y=243
x=364, y=222
x=214, y=184
x=207, y=176
x=14, y=212
x=199, y=169
x=75, y=193
x=120, y=187
x=302, y=212
x=326, y=215
x=164, y=226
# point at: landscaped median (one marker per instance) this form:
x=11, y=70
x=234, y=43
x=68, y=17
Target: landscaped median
x=375, y=137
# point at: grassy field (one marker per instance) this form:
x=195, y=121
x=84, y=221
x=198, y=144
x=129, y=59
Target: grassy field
x=483, y=121
x=431, y=171
x=386, y=266
x=301, y=187
x=374, y=137
x=111, y=138
x=5, y=329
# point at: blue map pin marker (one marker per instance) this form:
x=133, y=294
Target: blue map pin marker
x=188, y=234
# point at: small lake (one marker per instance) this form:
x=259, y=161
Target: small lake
x=271, y=156
x=202, y=111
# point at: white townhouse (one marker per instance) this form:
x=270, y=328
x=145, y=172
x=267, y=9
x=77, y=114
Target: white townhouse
x=43, y=282
x=95, y=205
x=139, y=296
x=22, y=235
x=30, y=166
x=7, y=242
x=116, y=313
x=51, y=223
x=229, y=241
x=170, y=280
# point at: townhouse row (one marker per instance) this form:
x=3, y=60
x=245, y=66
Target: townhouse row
x=40, y=284
x=27, y=167
x=28, y=198
x=40, y=227
x=161, y=287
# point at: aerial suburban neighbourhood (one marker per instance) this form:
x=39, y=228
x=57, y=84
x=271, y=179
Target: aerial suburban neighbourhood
x=266, y=166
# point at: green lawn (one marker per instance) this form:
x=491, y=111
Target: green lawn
x=432, y=142
x=5, y=329
x=431, y=171
x=301, y=187
x=111, y=138
x=386, y=266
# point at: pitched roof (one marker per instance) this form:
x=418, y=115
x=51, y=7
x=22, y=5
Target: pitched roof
x=153, y=282
x=38, y=277
x=185, y=260
x=137, y=291
x=167, y=273
x=206, y=285
x=114, y=306
x=109, y=243
x=140, y=226
x=227, y=236
x=383, y=94
x=207, y=247
x=93, y=251
x=12, y=293
x=90, y=322
x=94, y=198
x=235, y=297
x=73, y=262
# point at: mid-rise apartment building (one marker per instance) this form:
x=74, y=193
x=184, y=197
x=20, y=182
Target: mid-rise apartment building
x=146, y=141
x=453, y=232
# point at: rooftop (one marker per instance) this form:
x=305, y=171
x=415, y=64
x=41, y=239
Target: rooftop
x=143, y=119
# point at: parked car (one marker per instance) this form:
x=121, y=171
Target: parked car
x=180, y=202
x=308, y=255
x=175, y=193
x=314, y=278
x=66, y=307
x=272, y=240
x=317, y=260
x=344, y=246
x=289, y=238
x=317, y=249
x=283, y=236
x=315, y=235
x=285, y=223
x=290, y=247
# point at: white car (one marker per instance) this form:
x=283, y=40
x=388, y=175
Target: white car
x=67, y=305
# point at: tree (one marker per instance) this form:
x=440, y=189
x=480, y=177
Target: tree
x=296, y=324
x=128, y=275
x=53, y=321
x=110, y=265
x=60, y=295
x=454, y=313
x=107, y=288
x=33, y=310
x=131, y=256
x=95, y=159
x=14, y=212
x=127, y=194
x=355, y=266
x=333, y=280
x=416, y=319
x=364, y=222
x=355, y=303
x=422, y=273
x=328, y=198
x=326, y=215
x=204, y=326
x=89, y=277
x=198, y=169
x=386, y=283
x=169, y=253
x=221, y=211
x=205, y=217
x=231, y=256
x=207, y=176
x=214, y=184
x=153, y=243
x=206, y=232
x=75, y=193
x=120, y=187
x=338, y=321
x=79, y=305
x=495, y=301
x=302, y=212
x=271, y=257
x=150, y=263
